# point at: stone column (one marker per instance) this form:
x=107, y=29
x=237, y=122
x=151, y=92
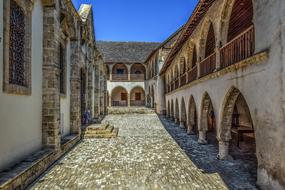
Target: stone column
x=129, y=99
x=182, y=124
x=161, y=95
x=218, y=59
x=190, y=129
x=202, y=137
x=75, y=100
x=51, y=89
x=224, y=150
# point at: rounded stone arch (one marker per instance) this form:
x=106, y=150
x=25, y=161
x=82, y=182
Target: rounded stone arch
x=207, y=120
x=192, y=117
x=119, y=96
x=192, y=56
x=183, y=115
x=182, y=65
x=177, y=113
x=172, y=109
x=234, y=105
x=176, y=71
x=120, y=68
x=207, y=32
x=168, y=109
x=138, y=69
x=229, y=7
x=137, y=96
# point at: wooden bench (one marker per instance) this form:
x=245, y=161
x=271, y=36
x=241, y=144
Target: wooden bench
x=239, y=130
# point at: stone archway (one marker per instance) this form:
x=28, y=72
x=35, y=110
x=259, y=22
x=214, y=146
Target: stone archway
x=183, y=115
x=119, y=96
x=207, y=127
x=138, y=72
x=172, y=110
x=192, y=117
x=120, y=72
x=236, y=127
x=177, y=111
x=137, y=96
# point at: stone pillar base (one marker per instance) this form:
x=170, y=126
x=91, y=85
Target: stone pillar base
x=176, y=121
x=190, y=130
x=224, y=151
x=202, y=138
x=182, y=125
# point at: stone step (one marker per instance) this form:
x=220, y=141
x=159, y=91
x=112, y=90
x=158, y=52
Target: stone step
x=112, y=134
x=109, y=129
x=97, y=127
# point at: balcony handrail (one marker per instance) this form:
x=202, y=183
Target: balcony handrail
x=208, y=57
x=238, y=36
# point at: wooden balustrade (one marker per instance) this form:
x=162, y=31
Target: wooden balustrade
x=120, y=77
x=238, y=49
x=192, y=74
x=183, y=79
x=208, y=65
x=137, y=102
x=120, y=103
x=137, y=77
x=176, y=84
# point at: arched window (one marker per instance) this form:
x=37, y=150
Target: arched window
x=194, y=57
x=211, y=42
x=241, y=18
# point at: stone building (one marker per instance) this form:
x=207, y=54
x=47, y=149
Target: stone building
x=154, y=83
x=51, y=73
x=126, y=71
x=224, y=82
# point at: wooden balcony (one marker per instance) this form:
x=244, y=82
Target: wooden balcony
x=238, y=49
x=137, y=103
x=176, y=84
x=137, y=77
x=208, y=65
x=183, y=79
x=120, y=77
x=192, y=74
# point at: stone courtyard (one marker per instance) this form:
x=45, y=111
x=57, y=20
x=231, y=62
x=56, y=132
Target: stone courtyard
x=144, y=156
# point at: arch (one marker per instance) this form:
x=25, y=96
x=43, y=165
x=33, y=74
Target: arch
x=172, y=109
x=237, y=16
x=183, y=115
x=207, y=127
x=207, y=40
x=192, y=117
x=138, y=71
x=176, y=71
x=120, y=69
x=194, y=57
x=182, y=65
x=119, y=96
x=168, y=109
x=177, y=111
x=235, y=112
x=236, y=119
x=137, y=96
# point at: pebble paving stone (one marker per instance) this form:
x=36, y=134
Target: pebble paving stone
x=144, y=156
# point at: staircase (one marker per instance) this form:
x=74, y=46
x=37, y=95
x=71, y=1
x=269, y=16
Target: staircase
x=100, y=131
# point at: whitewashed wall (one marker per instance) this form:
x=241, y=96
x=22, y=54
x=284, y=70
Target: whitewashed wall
x=21, y=116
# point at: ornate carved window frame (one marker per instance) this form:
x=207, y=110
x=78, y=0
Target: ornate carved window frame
x=8, y=87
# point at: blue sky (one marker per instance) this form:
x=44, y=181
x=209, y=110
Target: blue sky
x=138, y=20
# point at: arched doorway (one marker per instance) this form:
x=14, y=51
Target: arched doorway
x=137, y=96
x=120, y=72
x=207, y=129
x=192, y=117
x=237, y=129
x=119, y=96
x=177, y=112
x=183, y=117
x=172, y=110
x=138, y=72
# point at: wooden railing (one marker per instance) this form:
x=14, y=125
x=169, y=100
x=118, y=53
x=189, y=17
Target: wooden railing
x=176, y=83
x=208, y=65
x=120, y=103
x=137, y=77
x=238, y=49
x=120, y=77
x=137, y=102
x=192, y=74
x=183, y=79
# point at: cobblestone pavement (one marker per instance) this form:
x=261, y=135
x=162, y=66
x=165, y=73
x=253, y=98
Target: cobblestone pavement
x=144, y=156
x=237, y=174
